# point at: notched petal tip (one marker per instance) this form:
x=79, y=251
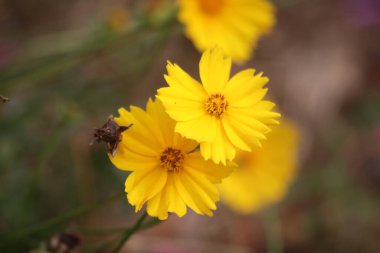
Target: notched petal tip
x=167, y=79
x=260, y=74
x=165, y=217
x=121, y=111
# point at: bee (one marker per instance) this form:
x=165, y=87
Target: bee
x=110, y=133
x=3, y=99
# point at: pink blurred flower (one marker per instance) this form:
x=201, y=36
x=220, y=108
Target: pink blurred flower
x=364, y=12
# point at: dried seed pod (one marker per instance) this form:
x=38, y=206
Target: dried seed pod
x=3, y=99
x=110, y=133
x=64, y=243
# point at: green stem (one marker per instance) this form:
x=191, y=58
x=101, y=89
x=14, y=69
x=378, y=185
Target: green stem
x=55, y=63
x=129, y=232
x=102, y=231
x=54, y=222
x=99, y=246
x=105, y=244
x=272, y=228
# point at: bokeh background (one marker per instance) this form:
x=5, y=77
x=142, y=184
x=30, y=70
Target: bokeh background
x=67, y=65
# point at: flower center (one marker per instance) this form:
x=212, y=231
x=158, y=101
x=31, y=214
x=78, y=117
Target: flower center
x=171, y=159
x=211, y=6
x=216, y=105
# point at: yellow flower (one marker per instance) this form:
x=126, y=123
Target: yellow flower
x=234, y=25
x=264, y=175
x=167, y=172
x=118, y=19
x=223, y=114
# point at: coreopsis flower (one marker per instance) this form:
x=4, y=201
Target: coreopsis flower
x=168, y=173
x=223, y=114
x=264, y=175
x=234, y=25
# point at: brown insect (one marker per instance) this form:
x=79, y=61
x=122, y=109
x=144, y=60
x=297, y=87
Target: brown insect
x=3, y=99
x=110, y=133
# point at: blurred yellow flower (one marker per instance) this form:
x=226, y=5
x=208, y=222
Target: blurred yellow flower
x=223, y=114
x=167, y=172
x=118, y=19
x=264, y=175
x=234, y=25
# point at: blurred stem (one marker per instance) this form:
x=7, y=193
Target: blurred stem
x=272, y=228
x=101, y=231
x=99, y=246
x=95, y=247
x=46, y=66
x=54, y=222
x=50, y=147
x=129, y=232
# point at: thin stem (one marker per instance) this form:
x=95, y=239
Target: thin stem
x=272, y=227
x=32, y=231
x=97, y=247
x=129, y=232
x=60, y=61
x=102, y=231
x=104, y=244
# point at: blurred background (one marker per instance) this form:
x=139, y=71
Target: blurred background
x=65, y=66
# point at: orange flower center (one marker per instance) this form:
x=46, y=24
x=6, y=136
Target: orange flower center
x=211, y=6
x=216, y=105
x=172, y=159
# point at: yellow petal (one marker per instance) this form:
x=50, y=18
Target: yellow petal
x=184, y=144
x=185, y=195
x=180, y=109
x=245, y=89
x=185, y=93
x=205, y=148
x=162, y=120
x=139, y=143
x=214, y=70
x=176, y=204
x=235, y=25
x=168, y=200
x=146, y=184
x=130, y=182
x=193, y=195
x=145, y=123
x=203, y=190
x=246, y=117
x=251, y=135
x=264, y=105
x=214, y=172
x=119, y=159
x=198, y=195
x=128, y=160
x=125, y=117
x=265, y=174
x=138, y=136
x=240, y=49
x=220, y=149
x=199, y=129
x=235, y=139
x=178, y=78
x=157, y=207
